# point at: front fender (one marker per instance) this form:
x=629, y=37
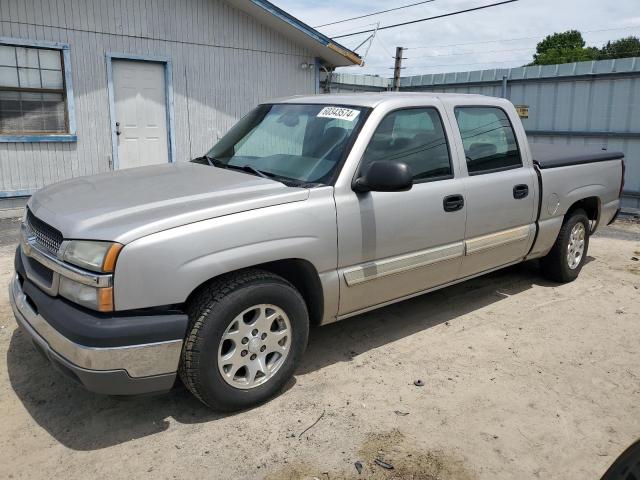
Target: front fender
x=165, y=267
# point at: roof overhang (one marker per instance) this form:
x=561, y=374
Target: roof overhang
x=331, y=53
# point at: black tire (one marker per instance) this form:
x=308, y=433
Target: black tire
x=210, y=313
x=555, y=265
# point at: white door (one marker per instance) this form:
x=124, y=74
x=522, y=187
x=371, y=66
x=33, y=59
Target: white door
x=141, y=113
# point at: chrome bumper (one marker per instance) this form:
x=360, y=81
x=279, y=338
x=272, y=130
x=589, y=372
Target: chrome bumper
x=137, y=361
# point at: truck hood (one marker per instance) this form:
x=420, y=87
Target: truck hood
x=128, y=204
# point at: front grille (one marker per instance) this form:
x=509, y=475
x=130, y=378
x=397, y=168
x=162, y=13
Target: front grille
x=45, y=235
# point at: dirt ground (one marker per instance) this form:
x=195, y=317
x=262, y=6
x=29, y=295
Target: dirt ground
x=522, y=379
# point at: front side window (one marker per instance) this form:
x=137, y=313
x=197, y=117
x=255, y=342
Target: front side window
x=299, y=143
x=489, y=141
x=416, y=137
x=32, y=91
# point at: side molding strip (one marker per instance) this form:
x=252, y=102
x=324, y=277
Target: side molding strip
x=391, y=266
x=493, y=240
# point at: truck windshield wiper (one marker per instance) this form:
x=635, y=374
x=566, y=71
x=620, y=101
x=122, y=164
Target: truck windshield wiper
x=250, y=169
x=213, y=162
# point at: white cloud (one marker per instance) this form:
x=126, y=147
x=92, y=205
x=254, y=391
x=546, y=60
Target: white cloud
x=499, y=37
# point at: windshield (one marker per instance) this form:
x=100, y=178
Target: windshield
x=303, y=143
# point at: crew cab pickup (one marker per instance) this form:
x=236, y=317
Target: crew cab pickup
x=309, y=210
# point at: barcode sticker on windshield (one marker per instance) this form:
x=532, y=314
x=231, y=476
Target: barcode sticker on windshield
x=339, y=113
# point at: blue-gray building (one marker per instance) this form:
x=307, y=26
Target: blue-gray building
x=594, y=104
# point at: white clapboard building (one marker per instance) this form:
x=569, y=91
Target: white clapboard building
x=87, y=86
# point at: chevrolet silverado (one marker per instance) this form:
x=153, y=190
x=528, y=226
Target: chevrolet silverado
x=309, y=210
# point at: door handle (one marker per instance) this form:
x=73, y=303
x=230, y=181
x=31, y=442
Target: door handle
x=520, y=191
x=452, y=203
x=118, y=132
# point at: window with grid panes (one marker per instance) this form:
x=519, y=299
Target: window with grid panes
x=32, y=91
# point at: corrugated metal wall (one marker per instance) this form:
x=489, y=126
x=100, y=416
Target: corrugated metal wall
x=350, y=83
x=595, y=104
x=224, y=63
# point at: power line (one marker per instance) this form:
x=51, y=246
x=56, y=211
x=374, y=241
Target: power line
x=463, y=64
x=429, y=18
x=481, y=52
x=374, y=13
x=443, y=65
x=384, y=46
x=635, y=51
x=373, y=68
x=447, y=65
x=343, y=30
x=539, y=36
x=472, y=53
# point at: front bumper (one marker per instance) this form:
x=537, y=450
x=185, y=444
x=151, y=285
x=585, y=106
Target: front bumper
x=128, y=369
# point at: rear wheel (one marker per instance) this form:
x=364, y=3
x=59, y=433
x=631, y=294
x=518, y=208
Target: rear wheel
x=565, y=260
x=248, y=331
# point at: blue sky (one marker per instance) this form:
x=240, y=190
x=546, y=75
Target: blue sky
x=499, y=37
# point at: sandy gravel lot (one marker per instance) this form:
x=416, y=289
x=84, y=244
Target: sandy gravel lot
x=523, y=379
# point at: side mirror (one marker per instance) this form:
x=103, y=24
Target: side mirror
x=384, y=176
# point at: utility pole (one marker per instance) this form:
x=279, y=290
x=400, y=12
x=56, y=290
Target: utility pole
x=397, y=68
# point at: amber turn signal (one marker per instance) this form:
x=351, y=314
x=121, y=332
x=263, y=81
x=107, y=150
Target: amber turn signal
x=109, y=263
x=105, y=299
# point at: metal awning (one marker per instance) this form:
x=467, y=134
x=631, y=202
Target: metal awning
x=330, y=52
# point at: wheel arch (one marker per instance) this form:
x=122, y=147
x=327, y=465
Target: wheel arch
x=591, y=205
x=301, y=273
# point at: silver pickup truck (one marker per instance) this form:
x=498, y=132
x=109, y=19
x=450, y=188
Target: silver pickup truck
x=310, y=210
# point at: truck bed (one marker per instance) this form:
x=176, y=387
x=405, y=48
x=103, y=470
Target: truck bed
x=588, y=174
x=553, y=156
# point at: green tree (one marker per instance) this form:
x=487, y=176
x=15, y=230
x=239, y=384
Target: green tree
x=569, y=40
x=625, y=47
x=565, y=47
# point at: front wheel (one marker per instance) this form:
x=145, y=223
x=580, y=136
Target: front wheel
x=566, y=258
x=248, y=332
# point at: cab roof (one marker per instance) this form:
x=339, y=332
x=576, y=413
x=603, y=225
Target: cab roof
x=375, y=99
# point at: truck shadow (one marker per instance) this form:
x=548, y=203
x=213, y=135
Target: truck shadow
x=84, y=421
x=368, y=331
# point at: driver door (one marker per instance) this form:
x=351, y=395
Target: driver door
x=395, y=244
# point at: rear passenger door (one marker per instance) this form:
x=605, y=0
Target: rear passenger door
x=500, y=190
x=394, y=244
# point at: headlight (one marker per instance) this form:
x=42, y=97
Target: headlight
x=100, y=299
x=96, y=256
